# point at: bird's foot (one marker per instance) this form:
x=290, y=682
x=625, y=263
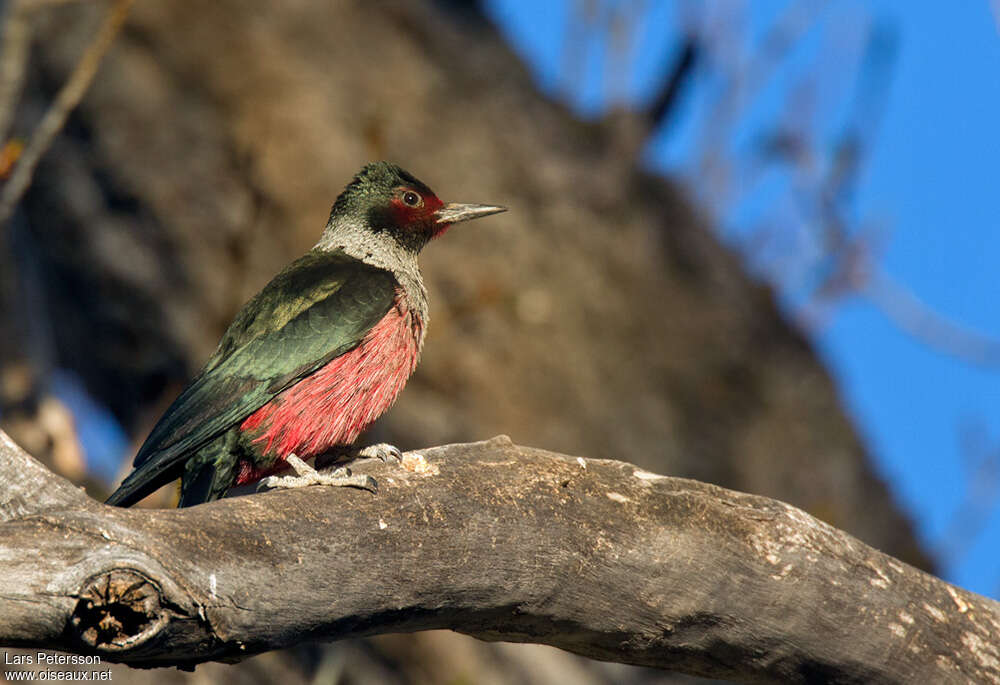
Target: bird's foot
x=307, y=475
x=388, y=454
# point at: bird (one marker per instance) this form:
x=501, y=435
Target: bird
x=312, y=359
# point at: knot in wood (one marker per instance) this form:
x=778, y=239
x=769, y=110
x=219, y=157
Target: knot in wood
x=118, y=610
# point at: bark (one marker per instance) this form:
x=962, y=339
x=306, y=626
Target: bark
x=495, y=540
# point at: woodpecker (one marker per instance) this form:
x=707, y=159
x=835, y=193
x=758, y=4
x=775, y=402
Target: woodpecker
x=314, y=358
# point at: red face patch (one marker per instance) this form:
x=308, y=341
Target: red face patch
x=415, y=210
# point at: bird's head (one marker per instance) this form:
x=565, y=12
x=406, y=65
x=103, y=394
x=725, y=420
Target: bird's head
x=385, y=198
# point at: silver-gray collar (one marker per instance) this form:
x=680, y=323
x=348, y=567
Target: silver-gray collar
x=379, y=249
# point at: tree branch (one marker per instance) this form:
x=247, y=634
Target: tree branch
x=490, y=539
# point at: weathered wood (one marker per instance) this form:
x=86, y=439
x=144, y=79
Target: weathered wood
x=498, y=541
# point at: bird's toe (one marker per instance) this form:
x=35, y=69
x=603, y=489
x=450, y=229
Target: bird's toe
x=383, y=451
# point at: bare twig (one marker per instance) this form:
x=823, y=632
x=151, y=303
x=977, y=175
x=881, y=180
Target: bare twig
x=584, y=18
x=855, y=274
x=16, y=41
x=59, y=111
x=666, y=98
x=914, y=316
x=744, y=80
x=620, y=43
x=981, y=464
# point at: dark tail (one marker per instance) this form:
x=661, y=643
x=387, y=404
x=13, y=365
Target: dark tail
x=207, y=475
x=140, y=483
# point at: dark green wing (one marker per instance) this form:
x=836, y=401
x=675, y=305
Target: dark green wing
x=318, y=308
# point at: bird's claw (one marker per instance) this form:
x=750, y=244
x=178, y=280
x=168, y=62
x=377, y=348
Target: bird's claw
x=382, y=451
x=307, y=475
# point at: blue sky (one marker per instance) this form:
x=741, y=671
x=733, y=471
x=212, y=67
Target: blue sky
x=936, y=173
x=930, y=182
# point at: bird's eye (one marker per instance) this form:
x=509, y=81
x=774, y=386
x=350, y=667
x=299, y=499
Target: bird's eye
x=412, y=199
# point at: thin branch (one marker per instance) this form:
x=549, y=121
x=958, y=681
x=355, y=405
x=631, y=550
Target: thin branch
x=14, y=48
x=981, y=466
x=744, y=78
x=500, y=542
x=666, y=100
x=55, y=118
x=921, y=321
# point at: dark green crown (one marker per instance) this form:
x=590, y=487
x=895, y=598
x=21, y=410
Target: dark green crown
x=373, y=186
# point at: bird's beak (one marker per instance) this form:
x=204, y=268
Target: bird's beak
x=453, y=212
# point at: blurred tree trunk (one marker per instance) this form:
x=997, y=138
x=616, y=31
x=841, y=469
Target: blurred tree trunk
x=599, y=316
